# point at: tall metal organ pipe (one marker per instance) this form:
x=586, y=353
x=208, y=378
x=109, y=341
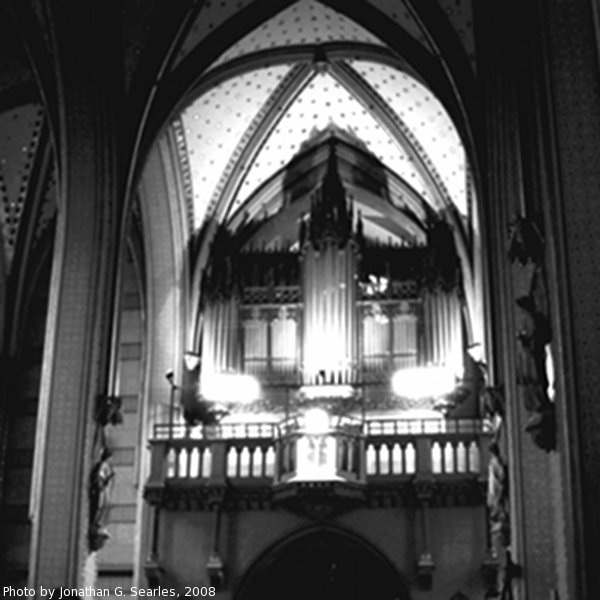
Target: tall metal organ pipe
x=329, y=270
x=220, y=338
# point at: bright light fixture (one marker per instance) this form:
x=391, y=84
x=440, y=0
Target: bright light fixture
x=192, y=360
x=229, y=387
x=313, y=392
x=424, y=382
x=316, y=421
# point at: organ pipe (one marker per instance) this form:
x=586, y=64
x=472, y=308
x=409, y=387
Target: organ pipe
x=329, y=267
x=329, y=328
x=324, y=332
x=443, y=344
x=220, y=338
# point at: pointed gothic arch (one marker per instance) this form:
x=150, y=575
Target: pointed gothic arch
x=322, y=562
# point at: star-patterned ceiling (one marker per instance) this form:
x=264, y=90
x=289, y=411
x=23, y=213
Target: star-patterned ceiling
x=20, y=129
x=306, y=22
x=242, y=131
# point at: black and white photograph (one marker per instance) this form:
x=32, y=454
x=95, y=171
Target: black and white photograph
x=299, y=299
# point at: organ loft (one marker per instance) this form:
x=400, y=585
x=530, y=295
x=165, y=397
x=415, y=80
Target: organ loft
x=331, y=381
x=299, y=298
x=327, y=312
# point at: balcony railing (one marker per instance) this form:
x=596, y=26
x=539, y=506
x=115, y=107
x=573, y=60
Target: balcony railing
x=278, y=454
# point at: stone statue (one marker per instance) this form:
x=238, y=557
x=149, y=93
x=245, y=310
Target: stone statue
x=526, y=253
x=101, y=479
x=497, y=496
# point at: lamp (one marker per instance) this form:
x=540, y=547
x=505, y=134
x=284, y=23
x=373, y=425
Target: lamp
x=169, y=376
x=153, y=571
x=425, y=568
x=325, y=391
x=230, y=387
x=424, y=382
x=316, y=421
x=191, y=360
x=216, y=570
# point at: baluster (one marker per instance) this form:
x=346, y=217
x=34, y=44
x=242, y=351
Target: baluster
x=449, y=458
x=244, y=462
x=371, y=460
x=270, y=462
x=436, y=458
x=171, y=463
x=206, y=463
x=232, y=462
x=474, y=458
x=397, y=466
x=194, y=463
x=410, y=459
x=257, y=463
x=182, y=463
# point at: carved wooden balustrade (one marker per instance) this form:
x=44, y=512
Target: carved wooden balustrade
x=266, y=460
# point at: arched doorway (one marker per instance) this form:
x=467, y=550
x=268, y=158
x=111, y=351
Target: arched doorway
x=323, y=564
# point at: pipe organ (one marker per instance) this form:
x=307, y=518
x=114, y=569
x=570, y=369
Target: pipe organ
x=333, y=307
x=329, y=257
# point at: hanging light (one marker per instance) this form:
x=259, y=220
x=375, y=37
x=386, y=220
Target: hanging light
x=424, y=382
x=230, y=388
x=192, y=360
x=316, y=421
x=321, y=392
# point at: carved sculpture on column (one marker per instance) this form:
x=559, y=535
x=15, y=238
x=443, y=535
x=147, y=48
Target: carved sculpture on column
x=526, y=254
x=101, y=479
x=492, y=408
x=108, y=412
x=497, y=497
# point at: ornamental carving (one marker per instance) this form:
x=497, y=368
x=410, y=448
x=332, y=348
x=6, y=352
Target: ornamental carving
x=101, y=480
x=533, y=334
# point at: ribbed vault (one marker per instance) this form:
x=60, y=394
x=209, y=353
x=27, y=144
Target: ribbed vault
x=240, y=117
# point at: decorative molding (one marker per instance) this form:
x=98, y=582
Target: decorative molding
x=315, y=499
x=186, y=172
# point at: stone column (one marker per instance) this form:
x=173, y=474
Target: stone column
x=570, y=120
x=507, y=194
x=549, y=173
x=81, y=292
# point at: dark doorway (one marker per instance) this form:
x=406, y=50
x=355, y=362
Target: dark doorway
x=322, y=565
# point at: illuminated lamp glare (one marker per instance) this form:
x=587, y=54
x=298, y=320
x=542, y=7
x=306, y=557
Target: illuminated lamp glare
x=316, y=421
x=424, y=382
x=192, y=360
x=476, y=352
x=421, y=414
x=312, y=392
x=230, y=387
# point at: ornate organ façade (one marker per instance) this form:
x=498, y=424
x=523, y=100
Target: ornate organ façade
x=332, y=306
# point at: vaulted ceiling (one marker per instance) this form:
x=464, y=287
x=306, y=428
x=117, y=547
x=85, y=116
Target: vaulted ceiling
x=304, y=69
x=241, y=84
